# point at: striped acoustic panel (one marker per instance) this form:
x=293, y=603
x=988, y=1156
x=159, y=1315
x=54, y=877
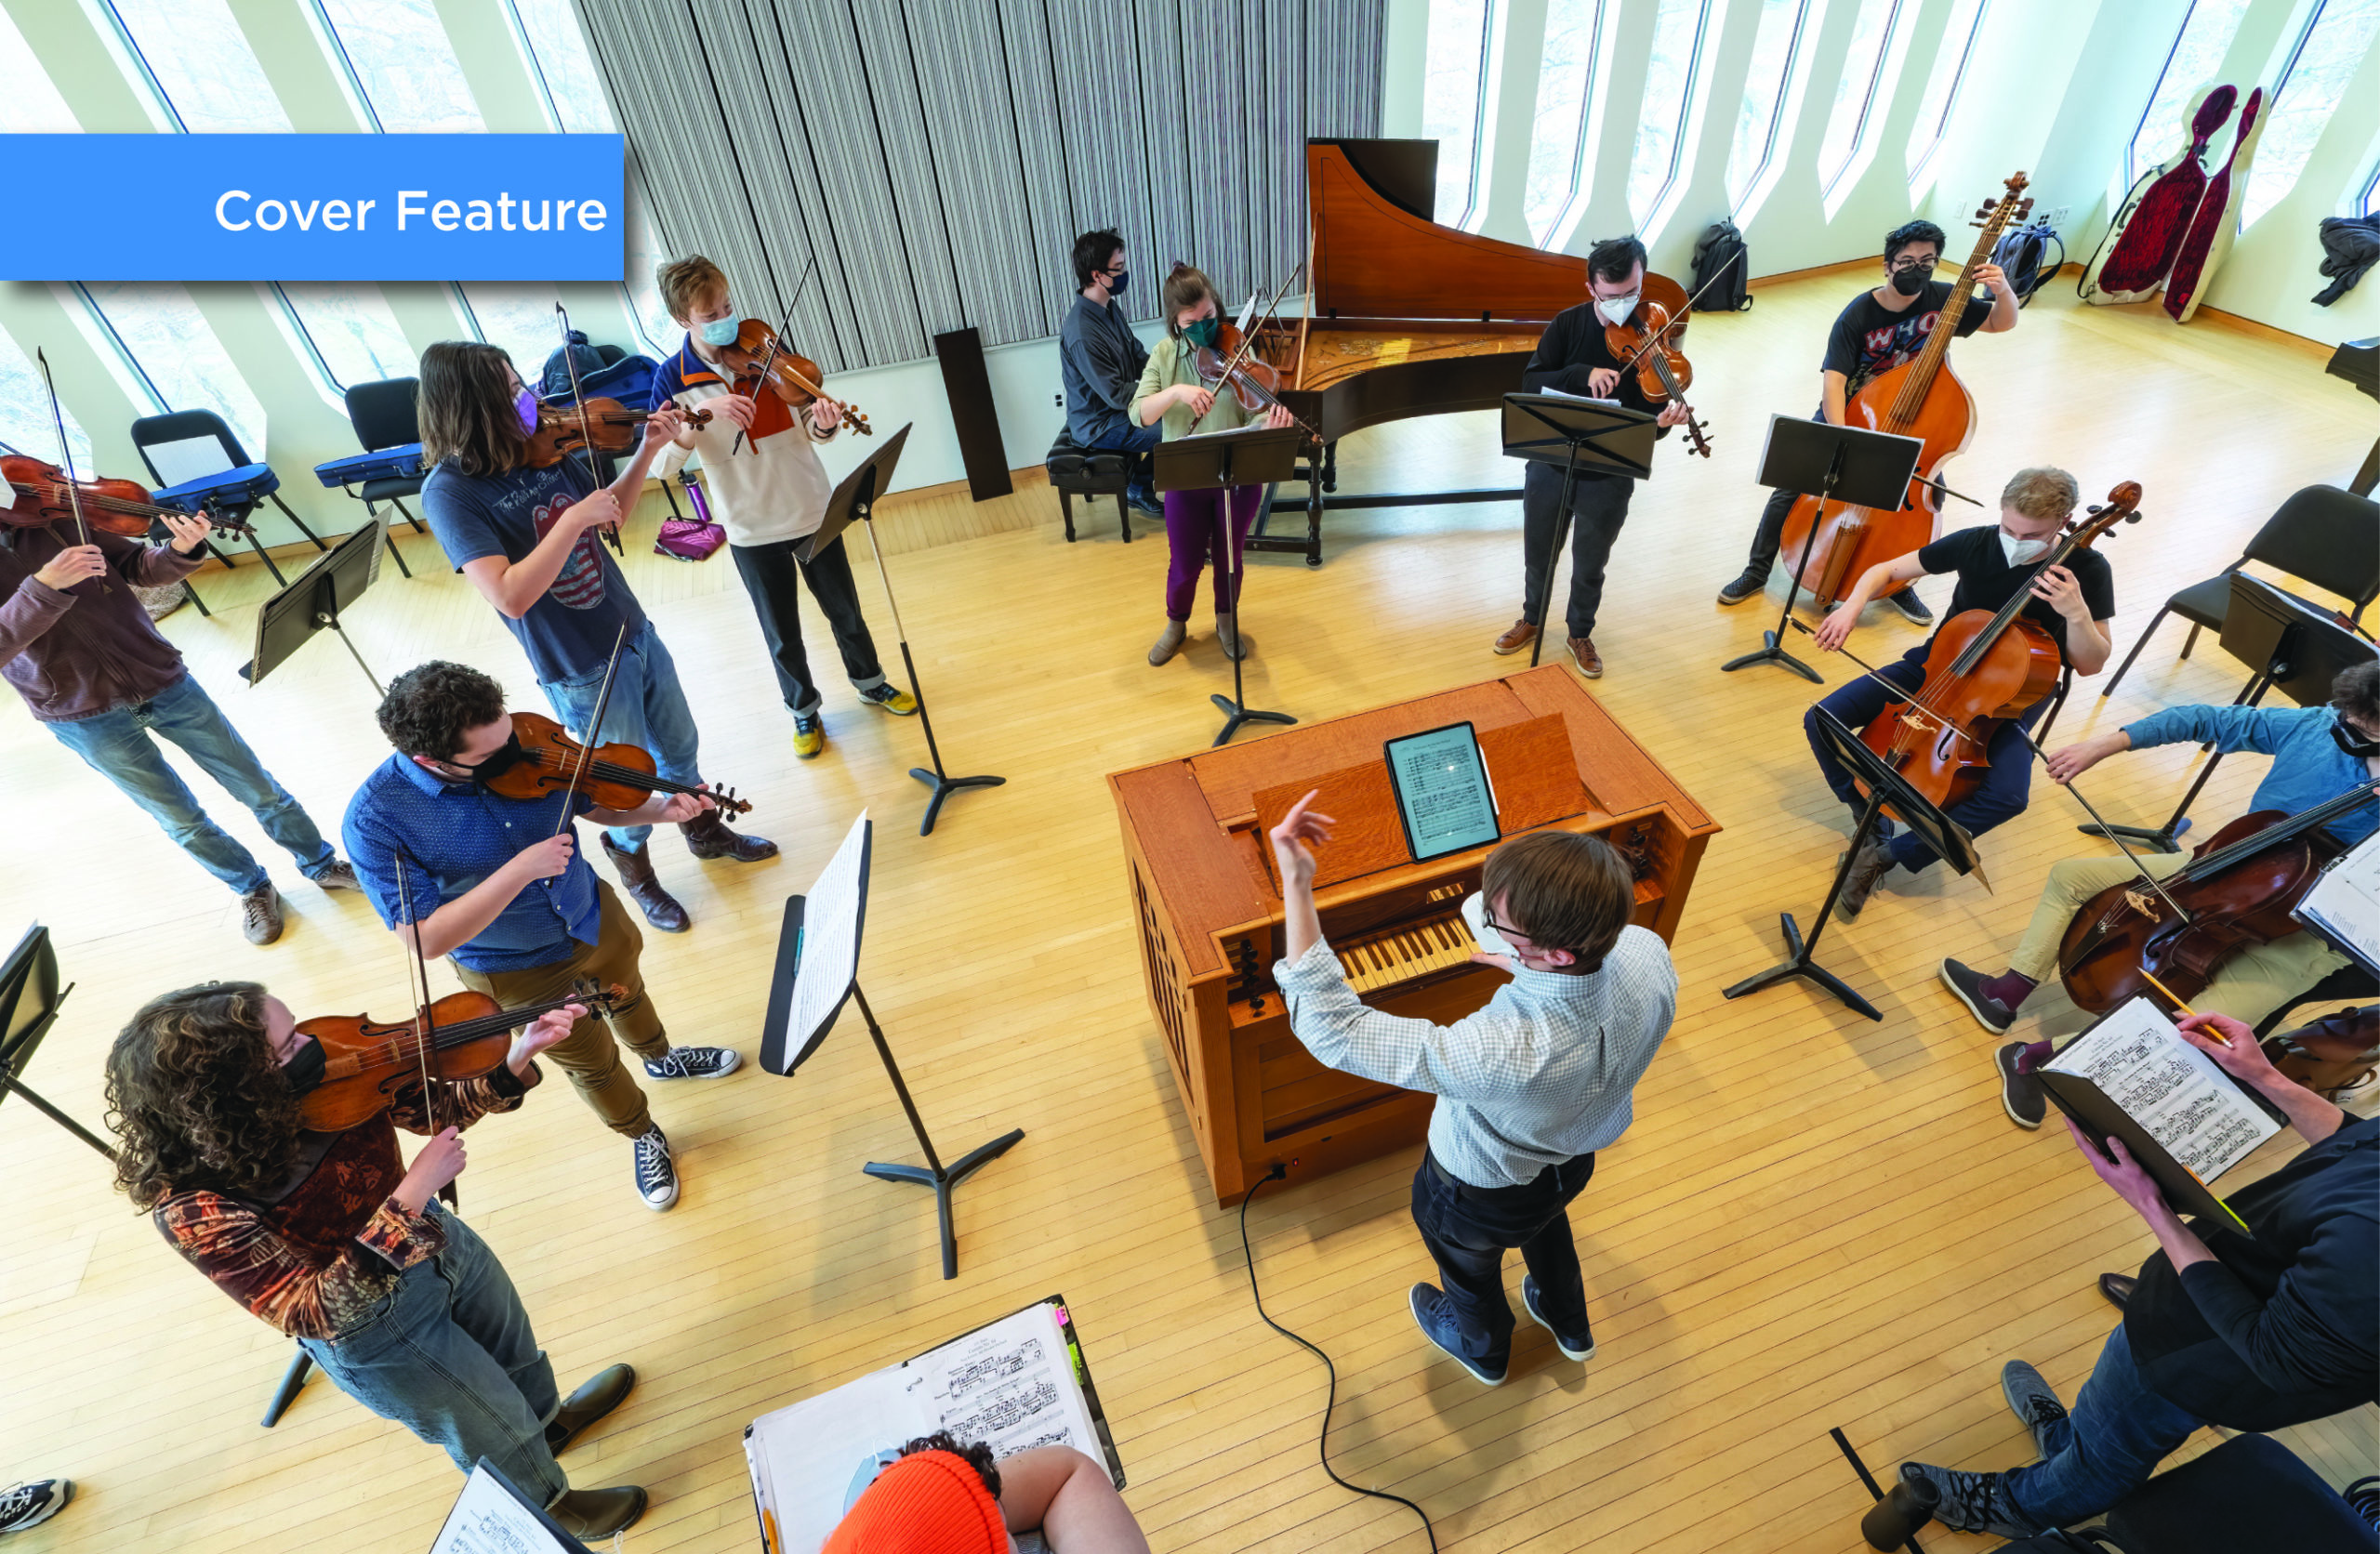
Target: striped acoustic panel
x=911, y=167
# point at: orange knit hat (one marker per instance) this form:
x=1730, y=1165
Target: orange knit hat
x=929, y=1503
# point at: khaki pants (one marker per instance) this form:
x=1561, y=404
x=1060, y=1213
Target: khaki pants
x=589, y=1054
x=2251, y=984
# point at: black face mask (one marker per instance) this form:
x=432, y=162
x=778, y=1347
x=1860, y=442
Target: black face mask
x=499, y=761
x=1910, y=279
x=2360, y=746
x=305, y=1069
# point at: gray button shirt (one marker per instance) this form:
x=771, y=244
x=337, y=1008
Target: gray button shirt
x=1100, y=360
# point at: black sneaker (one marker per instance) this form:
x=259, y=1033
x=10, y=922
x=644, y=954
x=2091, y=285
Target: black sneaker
x=692, y=1062
x=30, y=1505
x=1753, y=580
x=2021, y=1095
x=2035, y=1404
x=656, y=1174
x=1145, y=500
x=1581, y=1346
x=1990, y=1012
x=1912, y=609
x=1972, y=1502
x=1434, y=1316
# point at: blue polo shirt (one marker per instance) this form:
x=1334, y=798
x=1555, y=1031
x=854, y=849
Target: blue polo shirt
x=2307, y=768
x=451, y=835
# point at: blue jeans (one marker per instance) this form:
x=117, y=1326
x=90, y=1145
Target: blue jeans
x=1126, y=438
x=119, y=746
x=648, y=710
x=2006, y=785
x=449, y=1355
x=1468, y=1230
x=2107, y=1447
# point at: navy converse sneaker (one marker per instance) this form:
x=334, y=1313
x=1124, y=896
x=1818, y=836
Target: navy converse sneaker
x=1435, y=1316
x=656, y=1174
x=1579, y=1345
x=693, y=1062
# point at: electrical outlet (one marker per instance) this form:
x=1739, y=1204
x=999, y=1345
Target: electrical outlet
x=1059, y=400
x=2057, y=216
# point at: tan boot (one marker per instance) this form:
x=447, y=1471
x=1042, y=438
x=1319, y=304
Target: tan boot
x=1227, y=636
x=1168, y=642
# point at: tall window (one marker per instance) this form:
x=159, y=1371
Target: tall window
x=24, y=412
x=173, y=357
x=1669, y=95
x=645, y=255
x=521, y=320
x=2336, y=38
x=1558, y=150
x=1760, y=120
x=401, y=64
x=1943, y=85
x=351, y=330
x=29, y=103
x=563, y=66
x=1861, y=95
x=2197, y=54
x=1454, y=100
x=201, y=66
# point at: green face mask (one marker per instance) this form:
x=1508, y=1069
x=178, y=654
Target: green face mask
x=1202, y=333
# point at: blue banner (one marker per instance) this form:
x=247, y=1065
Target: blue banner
x=320, y=208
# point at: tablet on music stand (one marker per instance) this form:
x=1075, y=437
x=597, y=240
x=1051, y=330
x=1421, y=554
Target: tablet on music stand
x=1443, y=799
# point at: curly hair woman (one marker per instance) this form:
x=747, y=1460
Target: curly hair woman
x=334, y=1240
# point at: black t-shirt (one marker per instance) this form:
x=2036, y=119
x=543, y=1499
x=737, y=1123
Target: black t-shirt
x=1869, y=339
x=1986, y=581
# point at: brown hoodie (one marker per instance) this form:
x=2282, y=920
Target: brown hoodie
x=80, y=652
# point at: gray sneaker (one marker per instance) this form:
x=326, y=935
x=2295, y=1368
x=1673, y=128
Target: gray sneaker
x=1912, y=609
x=339, y=875
x=1867, y=870
x=261, y=914
x=2035, y=1404
x=1972, y=1502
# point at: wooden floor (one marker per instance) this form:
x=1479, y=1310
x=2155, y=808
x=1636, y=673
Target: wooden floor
x=1816, y=1221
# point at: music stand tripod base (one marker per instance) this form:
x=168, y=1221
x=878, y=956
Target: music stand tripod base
x=944, y=786
x=1771, y=652
x=1799, y=964
x=1234, y=715
x=934, y=1173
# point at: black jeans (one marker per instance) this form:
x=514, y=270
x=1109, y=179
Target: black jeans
x=1598, y=507
x=768, y=572
x=1766, y=540
x=1468, y=1230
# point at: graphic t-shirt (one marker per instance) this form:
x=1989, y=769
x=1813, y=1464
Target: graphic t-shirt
x=1986, y=581
x=1869, y=339
x=568, y=634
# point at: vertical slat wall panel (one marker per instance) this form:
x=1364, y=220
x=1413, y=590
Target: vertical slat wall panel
x=937, y=156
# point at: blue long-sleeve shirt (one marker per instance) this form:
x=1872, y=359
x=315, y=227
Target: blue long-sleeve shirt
x=2307, y=765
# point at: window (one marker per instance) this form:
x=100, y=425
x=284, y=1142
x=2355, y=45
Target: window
x=520, y=319
x=351, y=330
x=2197, y=54
x=1558, y=150
x=1454, y=100
x=2328, y=53
x=1878, y=40
x=1669, y=94
x=402, y=65
x=29, y=103
x=564, y=68
x=25, y=423
x=1761, y=120
x=199, y=62
x=645, y=256
x=1943, y=87
x=174, y=359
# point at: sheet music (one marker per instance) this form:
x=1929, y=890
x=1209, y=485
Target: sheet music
x=2170, y=1088
x=487, y=1519
x=829, y=937
x=2345, y=903
x=1583, y=399
x=1010, y=1385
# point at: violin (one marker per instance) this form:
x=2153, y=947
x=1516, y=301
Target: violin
x=463, y=1035
x=2236, y=892
x=44, y=495
x=615, y=776
x=758, y=359
x=1231, y=366
x=1652, y=340
x=563, y=429
x=1982, y=669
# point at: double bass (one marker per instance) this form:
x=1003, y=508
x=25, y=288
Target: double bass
x=1921, y=398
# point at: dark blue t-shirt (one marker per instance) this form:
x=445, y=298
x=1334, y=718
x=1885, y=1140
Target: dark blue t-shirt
x=568, y=634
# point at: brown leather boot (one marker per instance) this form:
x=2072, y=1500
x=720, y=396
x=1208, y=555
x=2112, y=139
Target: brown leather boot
x=597, y=1513
x=660, y=908
x=708, y=836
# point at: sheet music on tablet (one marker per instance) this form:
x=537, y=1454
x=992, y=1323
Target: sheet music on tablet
x=2344, y=905
x=2172, y=1089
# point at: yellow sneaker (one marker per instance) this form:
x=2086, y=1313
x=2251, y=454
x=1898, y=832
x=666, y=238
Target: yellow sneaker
x=892, y=698
x=808, y=735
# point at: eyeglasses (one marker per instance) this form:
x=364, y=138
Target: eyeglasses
x=1914, y=264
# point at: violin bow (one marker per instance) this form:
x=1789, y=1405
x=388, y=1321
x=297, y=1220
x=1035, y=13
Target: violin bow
x=585, y=429
x=1247, y=348
x=66, y=459
x=422, y=1027
x=1654, y=335
x=800, y=289
x=594, y=733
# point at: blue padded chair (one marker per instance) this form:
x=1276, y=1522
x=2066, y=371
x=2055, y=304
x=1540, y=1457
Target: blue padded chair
x=223, y=478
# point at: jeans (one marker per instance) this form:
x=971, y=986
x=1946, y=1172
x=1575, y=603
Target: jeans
x=1137, y=441
x=450, y=1356
x=2119, y=1432
x=1468, y=1228
x=2007, y=782
x=119, y=746
x=1599, y=506
x=1771, y=533
x=768, y=572
x=1193, y=527
x=648, y=710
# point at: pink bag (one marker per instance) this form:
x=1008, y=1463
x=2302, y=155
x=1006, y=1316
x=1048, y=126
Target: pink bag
x=691, y=539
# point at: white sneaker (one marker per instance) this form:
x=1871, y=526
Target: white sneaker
x=656, y=1174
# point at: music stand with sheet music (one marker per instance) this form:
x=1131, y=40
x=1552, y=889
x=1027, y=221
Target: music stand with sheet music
x=2303, y=647
x=2342, y=907
x=30, y=999
x=1576, y=434
x=1834, y=464
x=855, y=501
x=313, y=601
x=1885, y=786
x=1218, y=461
x=816, y=971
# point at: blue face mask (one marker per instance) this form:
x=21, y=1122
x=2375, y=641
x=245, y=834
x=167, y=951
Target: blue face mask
x=1203, y=333
x=720, y=332
x=1118, y=281
x=525, y=405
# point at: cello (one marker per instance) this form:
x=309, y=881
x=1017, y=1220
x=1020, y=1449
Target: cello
x=1981, y=670
x=1921, y=398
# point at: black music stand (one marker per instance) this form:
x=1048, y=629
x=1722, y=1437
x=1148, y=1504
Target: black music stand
x=2303, y=647
x=30, y=999
x=854, y=500
x=1885, y=786
x=313, y=603
x=1210, y=461
x=1576, y=434
x=1817, y=458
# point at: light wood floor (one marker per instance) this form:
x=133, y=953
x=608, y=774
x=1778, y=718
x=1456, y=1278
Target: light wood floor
x=1816, y=1221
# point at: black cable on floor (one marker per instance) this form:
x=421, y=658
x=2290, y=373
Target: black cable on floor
x=1323, y=1443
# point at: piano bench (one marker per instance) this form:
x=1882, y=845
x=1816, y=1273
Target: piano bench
x=1078, y=471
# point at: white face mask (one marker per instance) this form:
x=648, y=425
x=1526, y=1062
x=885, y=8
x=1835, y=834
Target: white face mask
x=1617, y=309
x=2021, y=552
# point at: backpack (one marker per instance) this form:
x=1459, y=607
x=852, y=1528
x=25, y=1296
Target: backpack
x=2019, y=253
x=1721, y=252
x=555, y=379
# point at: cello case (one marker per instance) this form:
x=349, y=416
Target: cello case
x=2208, y=240
x=2139, y=250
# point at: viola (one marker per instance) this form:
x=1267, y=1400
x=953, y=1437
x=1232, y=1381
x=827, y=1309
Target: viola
x=1653, y=340
x=563, y=429
x=1921, y=398
x=758, y=359
x=2236, y=892
x=463, y=1035
x=615, y=776
x=1982, y=669
x=1231, y=366
x=44, y=495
